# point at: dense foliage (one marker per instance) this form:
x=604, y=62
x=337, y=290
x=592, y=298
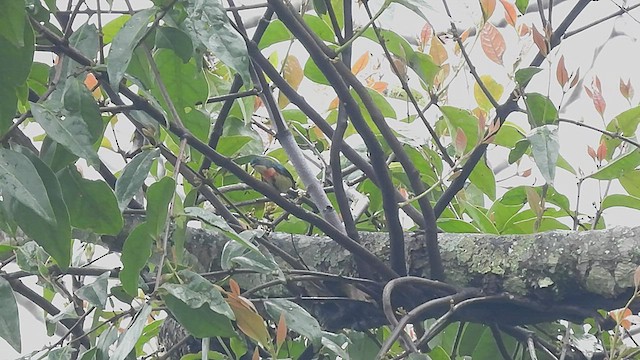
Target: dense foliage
x=124, y=126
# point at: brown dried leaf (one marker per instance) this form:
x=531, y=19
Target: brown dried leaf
x=561, y=72
x=533, y=198
x=400, y=65
x=281, y=331
x=492, y=43
x=235, y=288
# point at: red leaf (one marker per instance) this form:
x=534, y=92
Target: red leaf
x=599, y=103
x=602, y=151
x=540, y=41
x=626, y=89
x=561, y=72
x=425, y=34
x=524, y=30
x=526, y=173
x=597, y=83
x=492, y=43
x=461, y=141
x=510, y=14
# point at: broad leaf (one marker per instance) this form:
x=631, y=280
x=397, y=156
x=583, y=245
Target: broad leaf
x=297, y=318
x=540, y=109
x=128, y=340
x=136, y=251
x=95, y=293
x=197, y=291
x=494, y=88
x=208, y=22
x=523, y=76
x=133, y=176
x=627, y=201
x=19, y=179
x=159, y=196
x=9, y=322
x=201, y=322
x=176, y=40
x=124, y=42
x=219, y=223
x=545, y=147
x=492, y=43
x=619, y=166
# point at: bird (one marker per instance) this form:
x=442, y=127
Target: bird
x=273, y=173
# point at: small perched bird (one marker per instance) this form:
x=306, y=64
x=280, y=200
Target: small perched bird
x=273, y=173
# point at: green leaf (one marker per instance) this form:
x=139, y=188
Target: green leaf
x=78, y=101
x=197, y=291
x=85, y=39
x=313, y=73
x=482, y=176
x=130, y=337
x=72, y=132
x=522, y=5
x=208, y=22
x=235, y=254
x=508, y=135
x=19, y=179
x=230, y=145
x=219, y=223
x=111, y=29
x=464, y=120
x=92, y=204
x=176, y=40
x=184, y=82
x=619, y=166
x=276, y=32
x=415, y=5
x=136, y=251
x=494, y=88
x=625, y=124
x=379, y=100
x=9, y=322
x=540, y=109
x=424, y=66
x=12, y=21
x=480, y=219
x=159, y=196
x=456, y=226
x=133, y=176
x=630, y=181
x=523, y=76
x=518, y=150
x=297, y=319
x=334, y=343
x=63, y=353
x=54, y=237
x=627, y=201
x=396, y=44
x=545, y=147
x=124, y=42
x=201, y=322
x=95, y=293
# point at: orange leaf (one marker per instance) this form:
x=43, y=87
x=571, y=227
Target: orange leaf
x=334, y=104
x=91, y=83
x=561, y=72
x=492, y=43
x=510, y=14
x=620, y=315
x=438, y=52
x=524, y=30
x=256, y=354
x=379, y=86
x=257, y=102
x=601, y=154
x=487, y=6
x=463, y=38
x=281, y=331
x=361, y=63
x=235, y=288
x=540, y=41
x=293, y=74
x=425, y=35
x=596, y=95
x=526, y=173
x=400, y=65
x=248, y=320
x=591, y=152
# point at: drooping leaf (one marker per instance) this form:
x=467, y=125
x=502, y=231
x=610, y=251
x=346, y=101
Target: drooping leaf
x=201, y=322
x=124, y=42
x=54, y=237
x=483, y=177
x=208, y=22
x=19, y=179
x=133, y=176
x=176, y=40
x=492, y=43
x=130, y=337
x=184, y=82
x=487, y=7
x=425, y=67
x=540, y=109
x=197, y=291
x=95, y=293
x=248, y=320
x=218, y=222
x=72, y=132
x=12, y=22
x=293, y=75
x=297, y=318
x=159, y=196
x=495, y=89
x=136, y=251
x=92, y=204
x=545, y=147
x=9, y=322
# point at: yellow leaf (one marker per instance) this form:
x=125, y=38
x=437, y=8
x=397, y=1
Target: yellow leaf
x=105, y=143
x=487, y=6
x=248, y=320
x=292, y=74
x=438, y=52
x=494, y=88
x=334, y=104
x=361, y=63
